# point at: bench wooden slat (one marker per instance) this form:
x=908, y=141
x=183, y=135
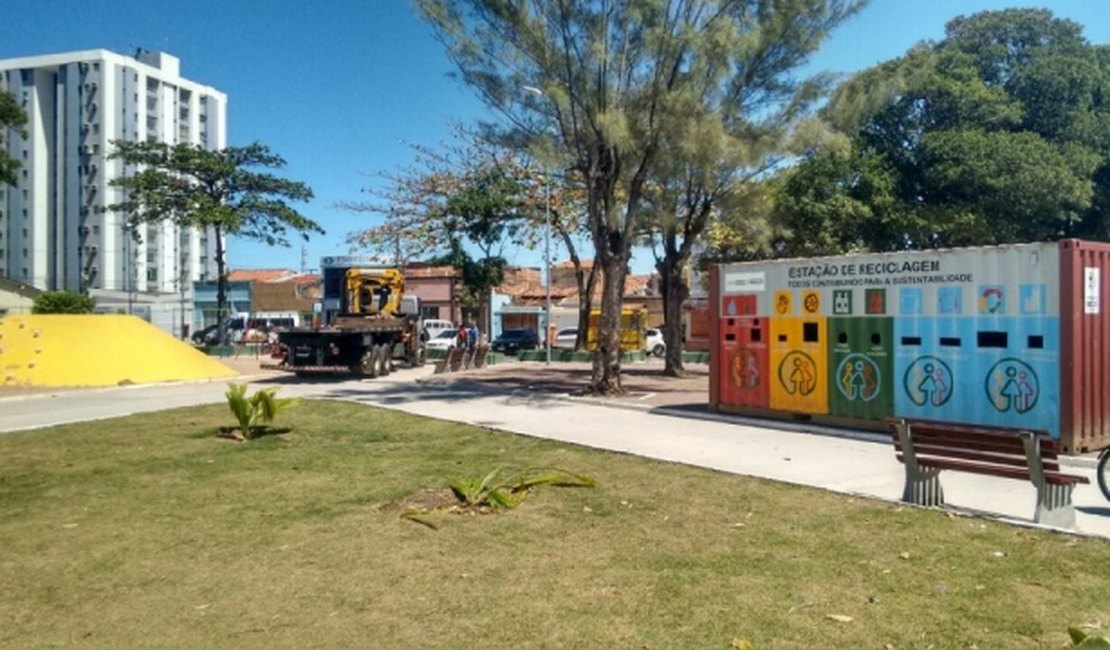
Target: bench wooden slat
x=985, y=458
x=996, y=446
x=995, y=470
x=985, y=440
x=985, y=452
x=943, y=425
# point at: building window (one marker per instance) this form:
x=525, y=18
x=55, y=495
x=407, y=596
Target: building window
x=152, y=275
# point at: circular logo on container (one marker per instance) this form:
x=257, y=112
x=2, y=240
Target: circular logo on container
x=798, y=373
x=990, y=300
x=858, y=378
x=1012, y=385
x=744, y=370
x=928, y=382
x=812, y=302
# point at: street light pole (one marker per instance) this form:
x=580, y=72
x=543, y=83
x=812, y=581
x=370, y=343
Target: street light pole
x=546, y=242
x=547, y=257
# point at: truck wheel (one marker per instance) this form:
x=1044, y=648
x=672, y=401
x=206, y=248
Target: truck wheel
x=369, y=365
x=385, y=361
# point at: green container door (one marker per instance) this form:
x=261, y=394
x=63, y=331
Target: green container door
x=861, y=367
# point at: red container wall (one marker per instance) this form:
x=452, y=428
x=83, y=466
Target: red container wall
x=744, y=375
x=714, y=337
x=1085, y=344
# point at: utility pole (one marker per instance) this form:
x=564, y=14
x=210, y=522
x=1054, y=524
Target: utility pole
x=546, y=243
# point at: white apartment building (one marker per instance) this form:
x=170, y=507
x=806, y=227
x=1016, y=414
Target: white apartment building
x=54, y=233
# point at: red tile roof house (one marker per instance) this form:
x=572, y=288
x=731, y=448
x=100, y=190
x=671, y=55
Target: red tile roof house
x=520, y=301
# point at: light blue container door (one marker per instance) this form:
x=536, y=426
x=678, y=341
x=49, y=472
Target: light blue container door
x=930, y=356
x=997, y=371
x=1017, y=373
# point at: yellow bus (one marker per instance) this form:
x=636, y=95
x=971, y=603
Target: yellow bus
x=634, y=325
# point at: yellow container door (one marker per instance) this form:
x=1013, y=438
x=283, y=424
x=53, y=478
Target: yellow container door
x=799, y=365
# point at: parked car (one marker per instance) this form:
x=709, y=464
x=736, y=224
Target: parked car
x=207, y=336
x=512, y=341
x=565, y=338
x=435, y=326
x=653, y=343
x=445, y=340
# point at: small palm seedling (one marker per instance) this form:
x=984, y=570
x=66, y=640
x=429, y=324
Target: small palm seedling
x=499, y=490
x=1082, y=638
x=256, y=412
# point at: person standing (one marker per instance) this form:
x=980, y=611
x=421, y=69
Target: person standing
x=473, y=335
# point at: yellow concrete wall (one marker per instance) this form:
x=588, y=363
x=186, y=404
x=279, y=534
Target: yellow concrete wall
x=96, y=350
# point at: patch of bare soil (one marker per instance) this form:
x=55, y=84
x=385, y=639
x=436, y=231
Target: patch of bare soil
x=422, y=500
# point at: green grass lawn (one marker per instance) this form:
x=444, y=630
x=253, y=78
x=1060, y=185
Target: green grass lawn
x=150, y=531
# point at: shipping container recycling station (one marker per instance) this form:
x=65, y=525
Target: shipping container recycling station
x=1014, y=336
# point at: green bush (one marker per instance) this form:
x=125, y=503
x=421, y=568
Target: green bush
x=63, y=302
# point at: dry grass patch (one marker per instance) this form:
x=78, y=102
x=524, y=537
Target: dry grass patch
x=151, y=531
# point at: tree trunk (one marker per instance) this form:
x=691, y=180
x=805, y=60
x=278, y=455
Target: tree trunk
x=221, y=286
x=675, y=293
x=607, y=358
x=586, y=284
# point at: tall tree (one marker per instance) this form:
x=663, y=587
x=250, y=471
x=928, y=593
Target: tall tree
x=220, y=190
x=472, y=194
x=11, y=117
x=448, y=203
x=998, y=133
x=616, y=77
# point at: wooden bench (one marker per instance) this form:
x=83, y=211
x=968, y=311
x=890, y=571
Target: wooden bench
x=926, y=448
x=450, y=363
x=480, y=354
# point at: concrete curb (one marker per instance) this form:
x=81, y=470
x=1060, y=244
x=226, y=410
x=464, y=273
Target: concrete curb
x=47, y=394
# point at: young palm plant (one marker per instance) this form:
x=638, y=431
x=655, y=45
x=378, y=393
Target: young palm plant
x=256, y=412
x=500, y=490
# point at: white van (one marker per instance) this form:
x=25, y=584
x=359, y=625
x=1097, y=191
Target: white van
x=433, y=327
x=257, y=326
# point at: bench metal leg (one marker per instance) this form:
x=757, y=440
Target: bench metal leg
x=923, y=487
x=1054, y=506
x=922, y=484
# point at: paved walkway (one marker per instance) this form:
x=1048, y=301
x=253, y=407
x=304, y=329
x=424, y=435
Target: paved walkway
x=671, y=425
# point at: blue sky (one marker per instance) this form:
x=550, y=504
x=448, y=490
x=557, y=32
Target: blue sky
x=341, y=88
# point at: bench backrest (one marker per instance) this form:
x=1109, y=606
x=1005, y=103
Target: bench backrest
x=987, y=446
